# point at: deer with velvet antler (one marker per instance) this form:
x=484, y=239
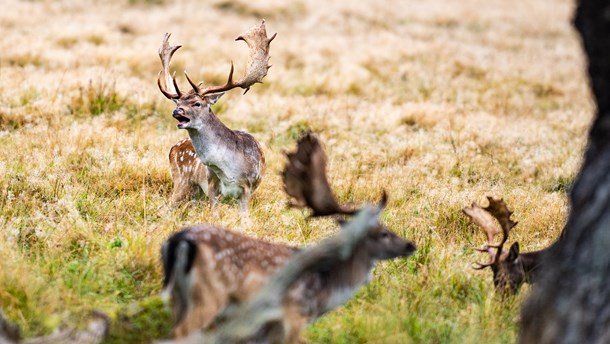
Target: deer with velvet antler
x=510, y=268
x=234, y=159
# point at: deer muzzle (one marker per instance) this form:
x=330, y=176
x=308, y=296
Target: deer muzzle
x=410, y=248
x=178, y=114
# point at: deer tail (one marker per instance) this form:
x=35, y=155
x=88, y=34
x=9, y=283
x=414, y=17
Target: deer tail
x=178, y=254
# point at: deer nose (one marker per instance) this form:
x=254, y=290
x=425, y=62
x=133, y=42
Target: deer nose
x=410, y=247
x=178, y=112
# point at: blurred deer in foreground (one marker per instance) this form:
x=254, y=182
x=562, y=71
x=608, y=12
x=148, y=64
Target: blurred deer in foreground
x=188, y=173
x=510, y=269
x=234, y=159
x=206, y=266
x=260, y=319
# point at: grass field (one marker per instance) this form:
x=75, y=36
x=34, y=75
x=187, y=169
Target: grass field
x=438, y=102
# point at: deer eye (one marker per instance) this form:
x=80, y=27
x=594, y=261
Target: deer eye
x=385, y=235
x=197, y=104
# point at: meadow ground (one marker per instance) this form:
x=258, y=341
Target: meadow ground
x=438, y=102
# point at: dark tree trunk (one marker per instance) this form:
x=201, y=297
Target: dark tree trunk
x=571, y=302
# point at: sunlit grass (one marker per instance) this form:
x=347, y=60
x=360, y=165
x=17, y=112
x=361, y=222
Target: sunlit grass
x=438, y=103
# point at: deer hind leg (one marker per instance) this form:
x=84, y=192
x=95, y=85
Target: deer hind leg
x=293, y=323
x=213, y=191
x=207, y=295
x=200, y=179
x=244, y=204
x=206, y=307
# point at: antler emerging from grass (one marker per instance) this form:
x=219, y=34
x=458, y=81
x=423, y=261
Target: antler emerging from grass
x=484, y=218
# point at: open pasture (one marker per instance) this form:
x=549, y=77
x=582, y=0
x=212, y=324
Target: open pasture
x=438, y=102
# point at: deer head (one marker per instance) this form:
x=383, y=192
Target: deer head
x=508, y=270
x=306, y=183
x=193, y=107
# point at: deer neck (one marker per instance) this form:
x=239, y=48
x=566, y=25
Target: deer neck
x=344, y=279
x=211, y=141
x=531, y=262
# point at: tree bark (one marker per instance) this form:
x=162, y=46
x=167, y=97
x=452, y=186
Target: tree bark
x=571, y=302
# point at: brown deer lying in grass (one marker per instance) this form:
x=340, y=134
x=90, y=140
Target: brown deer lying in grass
x=206, y=266
x=188, y=173
x=510, y=269
x=260, y=319
x=234, y=159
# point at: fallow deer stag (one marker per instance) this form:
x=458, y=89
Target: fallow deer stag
x=206, y=266
x=234, y=159
x=510, y=269
x=188, y=173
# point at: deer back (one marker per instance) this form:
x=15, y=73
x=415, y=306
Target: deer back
x=206, y=267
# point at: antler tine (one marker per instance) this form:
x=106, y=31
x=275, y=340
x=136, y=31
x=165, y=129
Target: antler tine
x=498, y=209
x=484, y=217
x=193, y=85
x=481, y=266
x=166, y=52
x=486, y=222
x=178, y=93
x=163, y=88
x=258, y=61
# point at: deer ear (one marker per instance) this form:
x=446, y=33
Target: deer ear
x=383, y=202
x=513, y=253
x=213, y=98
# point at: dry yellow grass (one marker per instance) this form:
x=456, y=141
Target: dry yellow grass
x=438, y=102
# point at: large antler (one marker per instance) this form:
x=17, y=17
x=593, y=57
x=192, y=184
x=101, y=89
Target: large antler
x=256, y=70
x=165, y=54
x=305, y=179
x=484, y=218
x=258, y=62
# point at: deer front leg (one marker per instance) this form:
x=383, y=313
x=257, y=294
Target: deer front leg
x=213, y=191
x=293, y=323
x=244, y=203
